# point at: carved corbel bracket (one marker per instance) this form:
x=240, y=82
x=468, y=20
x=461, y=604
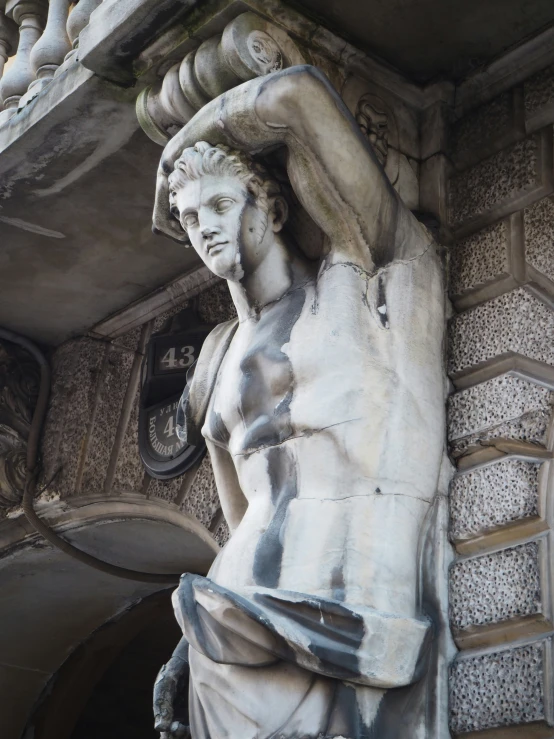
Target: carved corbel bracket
x=19, y=384
x=249, y=47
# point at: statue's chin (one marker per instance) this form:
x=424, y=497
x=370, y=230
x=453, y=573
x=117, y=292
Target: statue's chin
x=231, y=272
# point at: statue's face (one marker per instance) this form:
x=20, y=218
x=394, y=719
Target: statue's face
x=225, y=225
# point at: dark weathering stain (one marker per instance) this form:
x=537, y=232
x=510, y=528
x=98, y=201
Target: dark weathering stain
x=337, y=582
x=266, y=391
x=269, y=551
x=218, y=431
x=345, y=719
x=267, y=382
x=333, y=631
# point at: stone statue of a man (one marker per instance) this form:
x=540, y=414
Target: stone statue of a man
x=322, y=406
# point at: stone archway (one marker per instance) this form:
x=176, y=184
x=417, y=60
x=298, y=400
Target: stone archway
x=51, y=604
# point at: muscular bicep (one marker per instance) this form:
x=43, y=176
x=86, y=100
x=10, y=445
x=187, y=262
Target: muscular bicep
x=233, y=502
x=332, y=168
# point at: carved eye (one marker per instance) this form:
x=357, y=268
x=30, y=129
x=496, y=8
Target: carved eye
x=223, y=204
x=190, y=220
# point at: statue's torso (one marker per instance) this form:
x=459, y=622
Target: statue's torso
x=331, y=406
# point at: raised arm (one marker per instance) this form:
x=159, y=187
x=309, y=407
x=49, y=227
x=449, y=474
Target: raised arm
x=332, y=168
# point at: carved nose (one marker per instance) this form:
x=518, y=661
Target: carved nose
x=208, y=231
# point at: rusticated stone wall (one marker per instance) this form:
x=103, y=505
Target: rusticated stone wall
x=90, y=443
x=501, y=362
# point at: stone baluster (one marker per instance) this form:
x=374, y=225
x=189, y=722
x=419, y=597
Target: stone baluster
x=8, y=39
x=50, y=50
x=29, y=16
x=78, y=19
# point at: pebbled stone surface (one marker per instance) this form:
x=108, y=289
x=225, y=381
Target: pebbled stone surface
x=481, y=127
x=513, y=322
x=494, y=407
x=108, y=411
x=500, y=178
x=497, y=689
x=493, y=496
x=479, y=259
x=539, y=91
x=202, y=500
x=495, y=587
x=539, y=236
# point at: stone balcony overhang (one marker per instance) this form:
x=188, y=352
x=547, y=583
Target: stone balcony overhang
x=65, y=154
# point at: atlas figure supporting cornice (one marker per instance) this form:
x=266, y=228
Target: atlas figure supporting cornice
x=322, y=405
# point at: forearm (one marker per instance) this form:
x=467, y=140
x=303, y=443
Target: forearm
x=333, y=170
x=170, y=682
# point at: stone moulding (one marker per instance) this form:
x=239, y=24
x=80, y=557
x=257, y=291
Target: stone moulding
x=534, y=730
x=495, y=450
x=122, y=55
x=173, y=294
x=513, y=631
x=510, y=363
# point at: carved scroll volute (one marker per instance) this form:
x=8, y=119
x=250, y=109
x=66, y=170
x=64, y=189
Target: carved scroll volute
x=78, y=19
x=29, y=16
x=50, y=50
x=249, y=47
x=19, y=383
x=8, y=39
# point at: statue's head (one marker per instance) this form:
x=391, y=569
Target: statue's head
x=228, y=205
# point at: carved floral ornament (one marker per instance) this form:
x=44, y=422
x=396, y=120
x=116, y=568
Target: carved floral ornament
x=19, y=383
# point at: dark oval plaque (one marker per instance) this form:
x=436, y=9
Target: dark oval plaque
x=169, y=356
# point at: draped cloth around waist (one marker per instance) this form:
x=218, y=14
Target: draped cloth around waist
x=274, y=663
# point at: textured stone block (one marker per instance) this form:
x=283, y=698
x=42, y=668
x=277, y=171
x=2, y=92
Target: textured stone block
x=108, y=410
x=539, y=236
x=504, y=176
x=167, y=490
x=478, y=130
x=539, y=92
x=76, y=370
x=130, y=339
x=493, y=496
x=202, y=500
x=513, y=322
x=495, y=408
x=160, y=320
x=215, y=304
x=222, y=533
x=479, y=259
x=495, y=587
x=497, y=689
x=129, y=471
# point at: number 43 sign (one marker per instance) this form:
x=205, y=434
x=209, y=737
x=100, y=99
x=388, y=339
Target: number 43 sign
x=170, y=354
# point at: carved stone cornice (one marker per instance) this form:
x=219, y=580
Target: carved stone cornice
x=19, y=383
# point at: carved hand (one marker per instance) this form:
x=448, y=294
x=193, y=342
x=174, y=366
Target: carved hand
x=169, y=689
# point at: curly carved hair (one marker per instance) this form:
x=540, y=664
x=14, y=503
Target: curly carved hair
x=205, y=159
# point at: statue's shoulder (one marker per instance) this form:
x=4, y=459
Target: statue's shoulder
x=197, y=394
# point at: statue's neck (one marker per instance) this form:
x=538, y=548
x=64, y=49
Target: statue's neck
x=279, y=273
